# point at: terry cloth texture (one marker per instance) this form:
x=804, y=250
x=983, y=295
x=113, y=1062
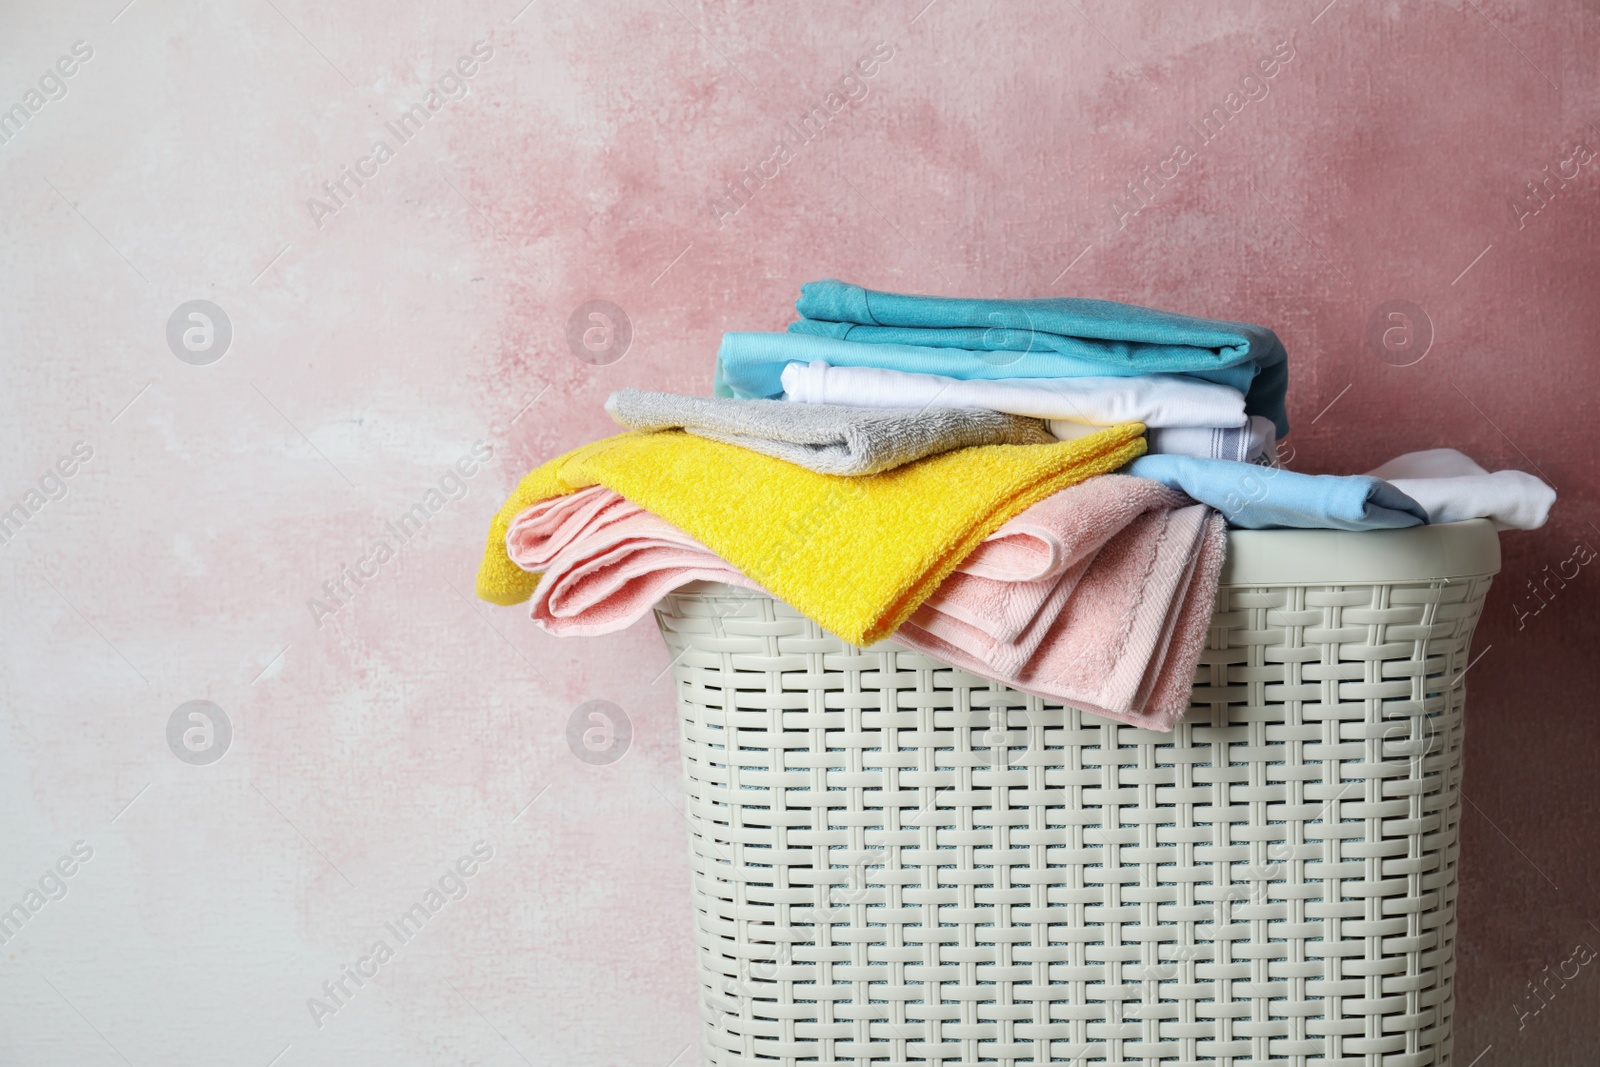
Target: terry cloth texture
x=1453, y=487
x=1098, y=331
x=1126, y=642
x=1261, y=498
x=1087, y=597
x=854, y=554
x=1157, y=400
x=611, y=577
x=1039, y=545
x=603, y=561
x=1000, y=614
x=826, y=438
x=544, y=530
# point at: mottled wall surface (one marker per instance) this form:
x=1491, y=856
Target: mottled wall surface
x=380, y=335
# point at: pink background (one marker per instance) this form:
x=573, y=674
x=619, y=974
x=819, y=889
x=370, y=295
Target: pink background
x=429, y=312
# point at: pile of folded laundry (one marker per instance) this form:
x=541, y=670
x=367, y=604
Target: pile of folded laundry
x=1036, y=491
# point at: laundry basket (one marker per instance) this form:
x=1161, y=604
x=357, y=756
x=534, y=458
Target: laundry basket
x=898, y=862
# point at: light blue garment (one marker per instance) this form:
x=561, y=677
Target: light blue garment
x=1137, y=340
x=1261, y=498
x=751, y=365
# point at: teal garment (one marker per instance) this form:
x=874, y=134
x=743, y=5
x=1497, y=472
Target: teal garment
x=1264, y=498
x=1135, y=340
x=750, y=365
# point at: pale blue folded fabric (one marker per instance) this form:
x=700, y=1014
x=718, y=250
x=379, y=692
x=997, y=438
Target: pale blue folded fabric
x=1262, y=498
x=1136, y=340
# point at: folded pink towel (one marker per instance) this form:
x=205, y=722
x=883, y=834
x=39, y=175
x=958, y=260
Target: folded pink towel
x=1099, y=596
x=1125, y=640
x=1004, y=597
x=540, y=533
x=1062, y=529
x=607, y=580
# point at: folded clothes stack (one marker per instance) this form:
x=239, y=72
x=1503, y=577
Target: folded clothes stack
x=1072, y=362
x=945, y=472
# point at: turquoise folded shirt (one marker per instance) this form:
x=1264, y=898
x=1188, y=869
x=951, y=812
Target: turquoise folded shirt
x=1051, y=337
x=1262, y=498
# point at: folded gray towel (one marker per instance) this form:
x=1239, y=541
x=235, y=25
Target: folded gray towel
x=826, y=438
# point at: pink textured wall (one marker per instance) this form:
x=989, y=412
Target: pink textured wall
x=1009, y=150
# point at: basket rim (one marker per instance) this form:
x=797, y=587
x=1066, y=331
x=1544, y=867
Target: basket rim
x=1468, y=549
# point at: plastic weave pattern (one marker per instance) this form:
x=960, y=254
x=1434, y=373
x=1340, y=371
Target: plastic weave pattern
x=900, y=862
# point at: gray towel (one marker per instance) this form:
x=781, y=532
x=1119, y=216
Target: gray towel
x=826, y=438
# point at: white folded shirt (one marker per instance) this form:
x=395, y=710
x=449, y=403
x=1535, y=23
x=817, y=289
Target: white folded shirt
x=1452, y=488
x=1159, y=401
x=1254, y=443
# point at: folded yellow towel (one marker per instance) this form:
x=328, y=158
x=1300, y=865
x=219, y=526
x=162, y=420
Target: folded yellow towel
x=856, y=554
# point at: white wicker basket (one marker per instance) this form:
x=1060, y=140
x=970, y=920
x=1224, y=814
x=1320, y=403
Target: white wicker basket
x=899, y=862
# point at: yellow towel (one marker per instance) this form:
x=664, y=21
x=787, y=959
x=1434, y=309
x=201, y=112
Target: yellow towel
x=855, y=554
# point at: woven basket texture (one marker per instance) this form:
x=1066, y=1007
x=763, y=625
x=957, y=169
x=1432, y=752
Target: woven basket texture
x=898, y=862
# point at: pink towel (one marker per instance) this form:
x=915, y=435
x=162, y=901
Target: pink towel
x=539, y=534
x=1061, y=530
x=1125, y=642
x=608, y=580
x=1099, y=596
x=1005, y=596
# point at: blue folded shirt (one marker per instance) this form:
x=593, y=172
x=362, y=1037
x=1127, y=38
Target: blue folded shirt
x=1261, y=498
x=1055, y=337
